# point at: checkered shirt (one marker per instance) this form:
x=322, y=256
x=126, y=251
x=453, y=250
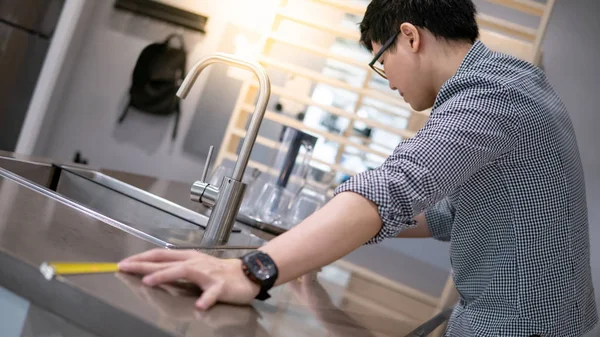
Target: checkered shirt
x=496, y=169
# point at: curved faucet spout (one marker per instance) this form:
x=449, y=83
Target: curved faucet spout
x=259, y=110
x=226, y=199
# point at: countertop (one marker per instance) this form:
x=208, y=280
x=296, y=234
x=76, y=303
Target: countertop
x=35, y=228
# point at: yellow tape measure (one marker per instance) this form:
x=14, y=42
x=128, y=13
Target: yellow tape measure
x=49, y=269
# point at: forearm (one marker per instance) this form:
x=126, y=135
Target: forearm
x=341, y=226
x=420, y=231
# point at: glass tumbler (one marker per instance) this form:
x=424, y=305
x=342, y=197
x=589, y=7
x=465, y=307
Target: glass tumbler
x=272, y=203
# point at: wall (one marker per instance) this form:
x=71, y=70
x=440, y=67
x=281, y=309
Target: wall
x=86, y=118
x=572, y=51
x=86, y=115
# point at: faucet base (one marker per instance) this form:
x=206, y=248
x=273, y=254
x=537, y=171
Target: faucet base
x=224, y=213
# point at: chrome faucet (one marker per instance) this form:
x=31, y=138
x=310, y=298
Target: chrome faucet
x=226, y=199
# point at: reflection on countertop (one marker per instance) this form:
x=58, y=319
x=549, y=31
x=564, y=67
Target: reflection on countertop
x=33, y=228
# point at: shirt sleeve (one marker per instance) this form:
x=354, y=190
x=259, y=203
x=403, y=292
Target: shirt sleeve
x=461, y=136
x=439, y=219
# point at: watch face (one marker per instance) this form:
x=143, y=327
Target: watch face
x=262, y=266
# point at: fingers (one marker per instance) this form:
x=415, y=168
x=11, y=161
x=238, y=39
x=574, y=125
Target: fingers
x=144, y=268
x=209, y=297
x=176, y=272
x=211, y=289
x=162, y=255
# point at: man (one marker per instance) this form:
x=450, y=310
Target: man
x=495, y=171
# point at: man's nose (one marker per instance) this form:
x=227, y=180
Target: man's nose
x=393, y=87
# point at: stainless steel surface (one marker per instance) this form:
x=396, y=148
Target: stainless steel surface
x=22, y=55
x=71, y=173
x=67, y=202
x=39, y=173
x=26, y=28
x=147, y=216
x=207, y=164
x=210, y=195
x=204, y=193
x=197, y=191
x=131, y=209
x=34, y=16
x=252, y=222
x=223, y=215
x=35, y=228
x=231, y=192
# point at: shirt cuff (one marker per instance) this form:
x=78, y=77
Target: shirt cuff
x=373, y=186
x=439, y=220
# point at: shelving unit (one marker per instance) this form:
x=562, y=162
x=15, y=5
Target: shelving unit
x=497, y=33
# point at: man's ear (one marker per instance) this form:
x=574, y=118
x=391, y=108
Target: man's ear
x=411, y=34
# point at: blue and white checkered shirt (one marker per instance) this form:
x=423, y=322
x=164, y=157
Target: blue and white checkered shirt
x=497, y=171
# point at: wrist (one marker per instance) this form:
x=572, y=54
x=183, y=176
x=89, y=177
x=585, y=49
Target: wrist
x=237, y=269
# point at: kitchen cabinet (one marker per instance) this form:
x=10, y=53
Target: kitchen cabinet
x=26, y=29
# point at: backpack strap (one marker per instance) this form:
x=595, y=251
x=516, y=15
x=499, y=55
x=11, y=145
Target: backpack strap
x=176, y=126
x=125, y=110
x=183, y=73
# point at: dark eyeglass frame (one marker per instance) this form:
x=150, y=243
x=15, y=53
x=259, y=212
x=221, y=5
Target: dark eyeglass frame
x=385, y=46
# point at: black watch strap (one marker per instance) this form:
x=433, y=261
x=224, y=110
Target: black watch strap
x=263, y=295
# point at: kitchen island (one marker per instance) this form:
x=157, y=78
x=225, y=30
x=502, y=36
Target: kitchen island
x=35, y=228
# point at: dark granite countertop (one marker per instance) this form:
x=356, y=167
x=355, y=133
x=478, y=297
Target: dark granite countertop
x=35, y=228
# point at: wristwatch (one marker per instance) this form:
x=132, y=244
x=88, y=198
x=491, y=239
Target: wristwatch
x=260, y=269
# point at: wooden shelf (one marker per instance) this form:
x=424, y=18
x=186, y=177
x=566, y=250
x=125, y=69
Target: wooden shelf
x=337, y=31
x=345, y=5
x=507, y=27
x=318, y=51
x=233, y=157
x=310, y=74
x=485, y=21
x=525, y=6
x=502, y=43
x=290, y=122
x=339, y=112
x=387, y=111
x=264, y=168
x=318, y=77
x=275, y=145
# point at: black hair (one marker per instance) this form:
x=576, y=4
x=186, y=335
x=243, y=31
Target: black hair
x=453, y=20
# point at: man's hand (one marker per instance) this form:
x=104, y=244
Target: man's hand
x=220, y=280
x=339, y=227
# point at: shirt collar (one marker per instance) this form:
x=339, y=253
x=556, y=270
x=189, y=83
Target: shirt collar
x=477, y=52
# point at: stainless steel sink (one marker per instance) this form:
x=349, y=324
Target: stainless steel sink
x=121, y=205
x=39, y=173
x=162, y=221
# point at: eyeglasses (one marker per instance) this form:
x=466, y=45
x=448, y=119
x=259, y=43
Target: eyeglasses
x=385, y=46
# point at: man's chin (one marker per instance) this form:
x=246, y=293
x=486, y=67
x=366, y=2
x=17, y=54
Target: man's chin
x=419, y=106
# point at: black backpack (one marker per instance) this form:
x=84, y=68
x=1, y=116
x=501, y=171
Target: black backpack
x=157, y=75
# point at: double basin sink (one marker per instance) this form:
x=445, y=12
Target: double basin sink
x=122, y=205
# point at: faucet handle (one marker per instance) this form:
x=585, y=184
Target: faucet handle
x=207, y=164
